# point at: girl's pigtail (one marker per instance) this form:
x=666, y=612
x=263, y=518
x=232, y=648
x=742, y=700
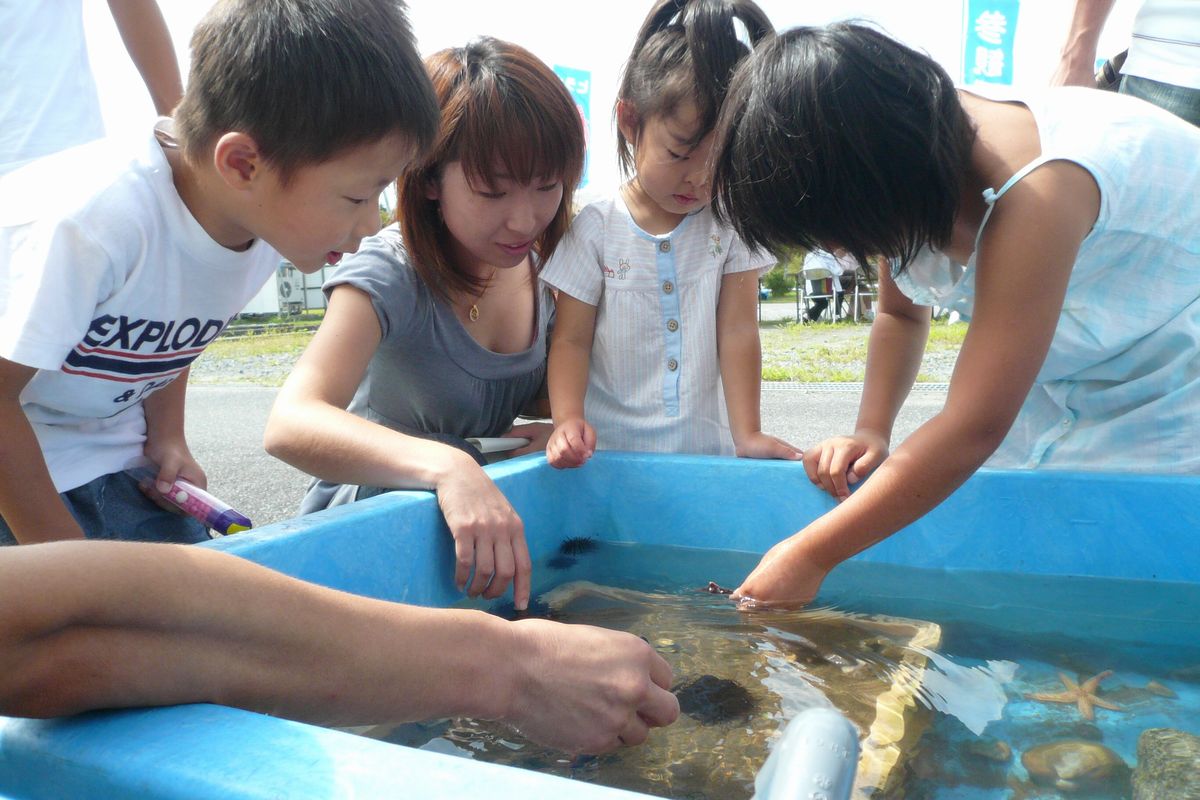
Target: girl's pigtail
x=658, y=20
x=720, y=33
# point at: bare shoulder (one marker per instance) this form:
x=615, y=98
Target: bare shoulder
x=1060, y=200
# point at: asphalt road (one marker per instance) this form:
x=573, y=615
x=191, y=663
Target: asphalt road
x=225, y=425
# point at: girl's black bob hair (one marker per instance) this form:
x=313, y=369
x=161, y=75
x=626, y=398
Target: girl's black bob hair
x=841, y=137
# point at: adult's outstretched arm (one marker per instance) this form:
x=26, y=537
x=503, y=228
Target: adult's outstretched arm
x=96, y=624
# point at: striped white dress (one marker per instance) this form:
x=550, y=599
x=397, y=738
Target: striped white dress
x=655, y=382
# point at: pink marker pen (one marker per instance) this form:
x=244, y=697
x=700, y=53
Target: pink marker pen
x=195, y=502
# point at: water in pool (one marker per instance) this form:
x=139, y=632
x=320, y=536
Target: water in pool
x=961, y=685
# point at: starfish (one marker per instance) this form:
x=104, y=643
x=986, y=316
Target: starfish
x=1082, y=694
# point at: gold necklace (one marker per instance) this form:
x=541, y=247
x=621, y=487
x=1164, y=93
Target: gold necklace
x=473, y=313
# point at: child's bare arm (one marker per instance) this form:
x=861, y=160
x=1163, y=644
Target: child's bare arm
x=570, y=355
x=29, y=503
x=166, y=444
x=894, y=351
x=573, y=441
x=1024, y=262
x=739, y=352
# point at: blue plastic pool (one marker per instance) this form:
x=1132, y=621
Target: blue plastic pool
x=1069, y=525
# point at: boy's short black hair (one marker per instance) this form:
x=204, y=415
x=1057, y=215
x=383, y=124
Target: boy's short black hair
x=841, y=137
x=306, y=79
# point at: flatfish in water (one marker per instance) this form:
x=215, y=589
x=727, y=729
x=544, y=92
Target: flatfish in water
x=740, y=677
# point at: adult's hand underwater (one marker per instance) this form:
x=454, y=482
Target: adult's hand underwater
x=129, y=624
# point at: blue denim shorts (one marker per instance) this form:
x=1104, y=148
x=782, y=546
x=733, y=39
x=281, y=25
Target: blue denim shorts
x=1181, y=101
x=113, y=507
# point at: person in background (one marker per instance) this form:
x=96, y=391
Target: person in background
x=120, y=261
x=657, y=302
x=838, y=264
x=1163, y=60
x=49, y=101
x=1064, y=228
x=92, y=625
x=436, y=330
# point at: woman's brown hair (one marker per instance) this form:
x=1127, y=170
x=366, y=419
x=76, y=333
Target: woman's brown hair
x=503, y=111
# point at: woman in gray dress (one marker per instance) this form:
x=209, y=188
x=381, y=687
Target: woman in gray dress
x=436, y=329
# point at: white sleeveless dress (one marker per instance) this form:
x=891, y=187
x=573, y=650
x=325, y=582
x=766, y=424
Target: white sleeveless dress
x=1120, y=386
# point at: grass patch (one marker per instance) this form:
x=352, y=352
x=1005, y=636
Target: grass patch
x=837, y=352
x=311, y=315
x=813, y=353
x=943, y=335
x=267, y=344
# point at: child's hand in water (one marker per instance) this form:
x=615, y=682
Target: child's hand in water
x=760, y=445
x=489, y=537
x=784, y=578
x=572, y=443
x=838, y=463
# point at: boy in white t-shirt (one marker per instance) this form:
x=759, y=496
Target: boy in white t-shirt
x=120, y=262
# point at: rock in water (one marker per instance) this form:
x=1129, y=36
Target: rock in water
x=1154, y=687
x=1168, y=765
x=1074, y=766
x=989, y=750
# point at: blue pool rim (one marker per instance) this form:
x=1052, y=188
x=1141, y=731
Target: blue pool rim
x=1068, y=524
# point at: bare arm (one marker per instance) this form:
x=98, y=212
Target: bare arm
x=740, y=354
x=570, y=355
x=898, y=337
x=897, y=342
x=310, y=428
x=166, y=444
x=29, y=503
x=122, y=625
x=146, y=38
x=573, y=440
x=1077, y=64
x=1023, y=266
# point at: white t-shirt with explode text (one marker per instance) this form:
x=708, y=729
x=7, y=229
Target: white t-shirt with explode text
x=110, y=288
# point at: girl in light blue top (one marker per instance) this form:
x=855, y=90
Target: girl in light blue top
x=1064, y=228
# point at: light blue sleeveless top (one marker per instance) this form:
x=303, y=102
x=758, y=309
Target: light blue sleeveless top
x=1120, y=386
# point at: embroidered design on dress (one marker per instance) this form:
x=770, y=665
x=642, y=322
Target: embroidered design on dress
x=608, y=273
x=715, y=248
x=623, y=267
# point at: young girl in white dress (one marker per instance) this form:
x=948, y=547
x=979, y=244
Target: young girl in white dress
x=657, y=329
